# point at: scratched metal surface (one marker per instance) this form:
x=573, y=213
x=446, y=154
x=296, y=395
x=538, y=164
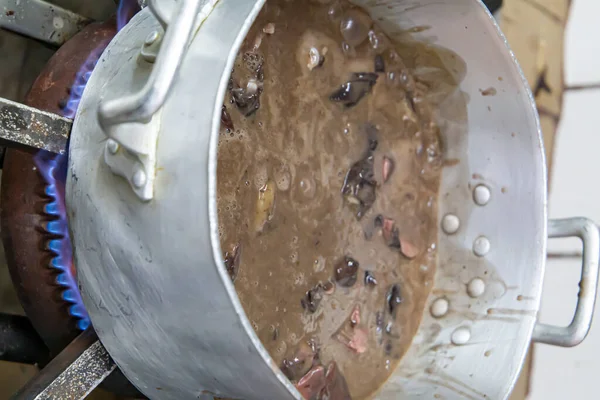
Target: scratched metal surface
x=41, y=20
x=21, y=125
x=173, y=338
x=73, y=373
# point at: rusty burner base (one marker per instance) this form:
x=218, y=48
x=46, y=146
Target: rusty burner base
x=22, y=202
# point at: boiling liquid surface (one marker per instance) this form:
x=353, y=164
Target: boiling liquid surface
x=294, y=202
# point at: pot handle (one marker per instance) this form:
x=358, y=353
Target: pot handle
x=141, y=106
x=128, y=121
x=576, y=332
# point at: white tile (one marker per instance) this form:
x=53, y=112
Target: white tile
x=575, y=191
x=559, y=373
x=575, y=181
x=582, y=47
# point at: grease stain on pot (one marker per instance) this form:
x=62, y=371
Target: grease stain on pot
x=510, y=311
x=464, y=390
x=491, y=91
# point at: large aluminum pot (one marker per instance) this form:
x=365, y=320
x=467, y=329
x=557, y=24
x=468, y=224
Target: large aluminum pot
x=142, y=208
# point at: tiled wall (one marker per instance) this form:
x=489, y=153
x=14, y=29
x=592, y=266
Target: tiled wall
x=575, y=191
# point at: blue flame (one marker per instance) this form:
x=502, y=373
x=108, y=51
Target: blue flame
x=127, y=9
x=53, y=168
x=69, y=109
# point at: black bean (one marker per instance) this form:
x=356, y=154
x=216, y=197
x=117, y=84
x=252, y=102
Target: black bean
x=232, y=261
x=388, y=347
x=379, y=63
x=370, y=279
x=394, y=299
x=373, y=143
x=226, y=119
x=351, y=92
x=346, y=272
x=365, y=76
x=411, y=102
x=246, y=103
x=394, y=241
x=379, y=221
x=298, y=365
x=312, y=299
x=372, y=134
x=359, y=186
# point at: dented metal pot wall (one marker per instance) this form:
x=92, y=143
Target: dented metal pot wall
x=142, y=206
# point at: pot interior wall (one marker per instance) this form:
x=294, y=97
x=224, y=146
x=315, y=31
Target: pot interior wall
x=490, y=270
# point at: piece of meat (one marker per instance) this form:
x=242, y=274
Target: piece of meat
x=393, y=299
x=312, y=299
x=379, y=64
x=336, y=387
x=232, y=261
x=351, y=92
x=388, y=168
x=311, y=384
x=226, y=121
x=346, y=272
x=300, y=363
x=352, y=334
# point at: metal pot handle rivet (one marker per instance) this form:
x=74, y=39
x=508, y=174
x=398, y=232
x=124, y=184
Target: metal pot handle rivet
x=128, y=120
x=579, y=327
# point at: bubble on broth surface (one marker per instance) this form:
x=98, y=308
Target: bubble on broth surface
x=311, y=128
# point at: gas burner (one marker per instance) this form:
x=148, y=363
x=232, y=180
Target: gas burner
x=35, y=234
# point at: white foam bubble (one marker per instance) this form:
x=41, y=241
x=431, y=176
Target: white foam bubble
x=294, y=257
x=283, y=180
x=319, y=264
x=299, y=279
x=282, y=348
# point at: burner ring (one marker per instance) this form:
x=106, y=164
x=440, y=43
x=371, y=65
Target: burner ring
x=26, y=208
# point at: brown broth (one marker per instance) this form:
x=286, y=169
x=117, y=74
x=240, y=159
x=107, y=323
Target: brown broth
x=282, y=163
